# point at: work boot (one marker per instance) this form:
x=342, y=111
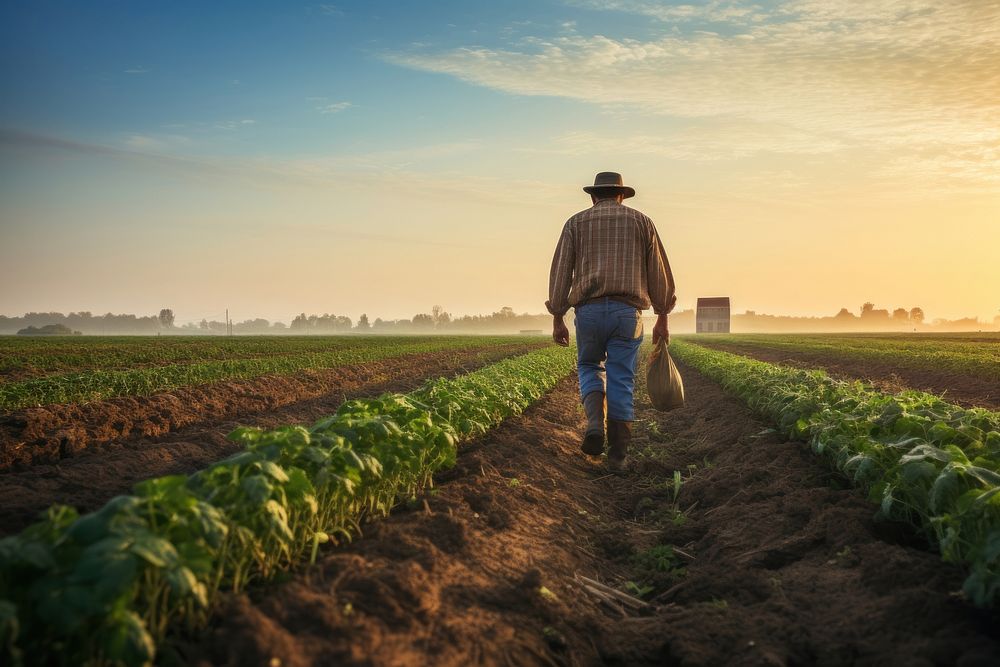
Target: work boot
x=593, y=438
x=619, y=435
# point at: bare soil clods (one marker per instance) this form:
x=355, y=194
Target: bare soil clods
x=776, y=562
x=84, y=454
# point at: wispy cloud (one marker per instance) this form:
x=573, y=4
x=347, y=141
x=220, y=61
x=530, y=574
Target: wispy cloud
x=704, y=142
x=136, y=70
x=330, y=10
x=336, y=107
x=143, y=142
x=235, y=124
x=714, y=11
x=376, y=171
x=884, y=75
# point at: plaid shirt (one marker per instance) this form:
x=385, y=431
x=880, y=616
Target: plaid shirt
x=614, y=251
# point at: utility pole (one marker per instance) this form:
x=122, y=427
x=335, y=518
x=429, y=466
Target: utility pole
x=229, y=328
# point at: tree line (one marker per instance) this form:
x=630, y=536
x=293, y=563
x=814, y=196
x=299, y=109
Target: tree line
x=438, y=320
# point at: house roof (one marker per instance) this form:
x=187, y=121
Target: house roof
x=713, y=302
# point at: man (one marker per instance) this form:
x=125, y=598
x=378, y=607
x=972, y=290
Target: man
x=609, y=266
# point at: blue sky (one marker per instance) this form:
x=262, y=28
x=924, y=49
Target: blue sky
x=432, y=147
x=186, y=68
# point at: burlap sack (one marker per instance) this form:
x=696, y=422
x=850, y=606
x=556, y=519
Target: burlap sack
x=663, y=380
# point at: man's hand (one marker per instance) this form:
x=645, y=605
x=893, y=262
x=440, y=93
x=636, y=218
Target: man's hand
x=660, y=330
x=560, y=334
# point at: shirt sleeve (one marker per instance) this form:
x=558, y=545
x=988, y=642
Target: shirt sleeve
x=658, y=275
x=561, y=274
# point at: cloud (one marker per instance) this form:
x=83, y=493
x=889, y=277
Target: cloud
x=330, y=10
x=728, y=12
x=136, y=70
x=704, y=142
x=143, y=142
x=336, y=107
x=882, y=75
x=235, y=124
x=379, y=171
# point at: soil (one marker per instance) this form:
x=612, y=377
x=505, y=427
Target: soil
x=47, y=434
x=776, y=562
x=953, y=386
x=119, y=442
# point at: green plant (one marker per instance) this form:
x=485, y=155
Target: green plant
x=923, y=460
x=678, y=481
x=638, y=590
x=105, y=588
x=96, y=369
x=660, y=558
x=972, y=356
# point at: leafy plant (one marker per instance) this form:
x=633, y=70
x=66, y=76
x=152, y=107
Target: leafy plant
x=923, y=460
x=638, y=590
x=107, y=587
x=95, y=369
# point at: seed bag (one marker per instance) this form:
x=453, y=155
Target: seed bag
x=663, y=380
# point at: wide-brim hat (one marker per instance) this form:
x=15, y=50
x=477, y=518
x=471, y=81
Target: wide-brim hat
x=609, y=182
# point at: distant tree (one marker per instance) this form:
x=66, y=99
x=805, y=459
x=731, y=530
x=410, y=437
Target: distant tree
x=203, y=324
x=901, y=315
x=867, y=308
x=423, y=321
x=301, y=322
x=166, y=318
x=279, y=326
x=256, y=325
x=47, y=330
x=845, y=314
x=917, y=315
x=440, y=316
x=363, y=324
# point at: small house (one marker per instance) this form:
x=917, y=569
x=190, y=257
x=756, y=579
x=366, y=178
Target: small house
x=712, y=315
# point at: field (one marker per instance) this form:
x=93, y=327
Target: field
x=423, y=501
x=965, y=366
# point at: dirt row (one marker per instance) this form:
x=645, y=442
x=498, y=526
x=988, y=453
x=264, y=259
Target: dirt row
x=955, y=386
x=185, y=430
x=50, y=433
x=759, y=556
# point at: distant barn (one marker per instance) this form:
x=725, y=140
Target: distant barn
x=713, y=315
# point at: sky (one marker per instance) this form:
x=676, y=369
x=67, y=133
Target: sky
x=384, y=157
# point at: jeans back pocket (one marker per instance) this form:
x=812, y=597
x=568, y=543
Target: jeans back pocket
x=630, y=325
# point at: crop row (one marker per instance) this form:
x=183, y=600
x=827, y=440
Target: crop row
x=976, y=359
x=24, y=357
x=107, y=587
x=100, y=384
x=923, y=460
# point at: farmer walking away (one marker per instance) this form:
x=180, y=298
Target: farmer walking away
x=609, y=266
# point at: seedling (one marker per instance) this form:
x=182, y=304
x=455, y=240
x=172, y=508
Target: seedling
x=638, y=590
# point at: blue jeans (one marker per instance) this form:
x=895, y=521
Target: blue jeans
x=608, y=335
